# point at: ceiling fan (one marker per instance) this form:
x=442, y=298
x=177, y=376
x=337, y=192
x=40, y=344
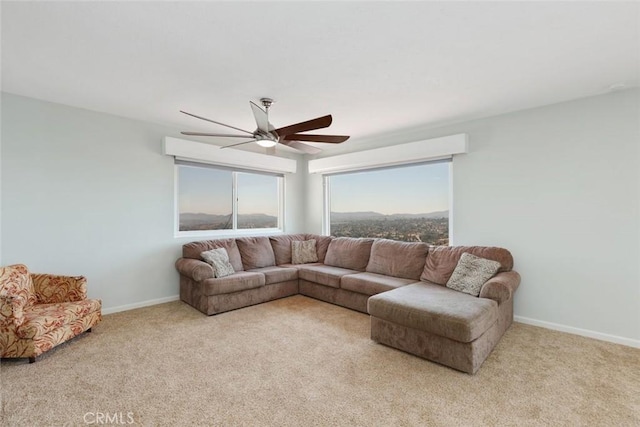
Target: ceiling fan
x=266, y=135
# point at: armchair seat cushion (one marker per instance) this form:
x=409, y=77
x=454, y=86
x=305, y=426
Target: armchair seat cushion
x=41, y=319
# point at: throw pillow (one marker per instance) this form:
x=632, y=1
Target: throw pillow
x=471, y=273
x=219, y=259
x=303, y=251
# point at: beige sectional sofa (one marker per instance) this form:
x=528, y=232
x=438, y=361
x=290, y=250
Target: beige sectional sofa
x=400, y=284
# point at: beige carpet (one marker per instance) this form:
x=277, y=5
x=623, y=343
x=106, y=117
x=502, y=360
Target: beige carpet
x=302, y=362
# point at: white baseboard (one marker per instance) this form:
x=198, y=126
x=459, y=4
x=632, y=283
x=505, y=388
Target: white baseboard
x=577, y=331
x=140, y=304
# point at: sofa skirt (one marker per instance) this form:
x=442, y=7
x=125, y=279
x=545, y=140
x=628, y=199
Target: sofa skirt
x=192, y=293
x=341, y=297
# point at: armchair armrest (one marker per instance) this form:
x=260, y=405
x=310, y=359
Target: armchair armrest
x=194, y=269
x=55, y=289
x=501, y=287
x=12, y=310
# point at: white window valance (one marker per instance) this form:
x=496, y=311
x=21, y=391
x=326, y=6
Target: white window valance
x=186, y=150
x=396, y=155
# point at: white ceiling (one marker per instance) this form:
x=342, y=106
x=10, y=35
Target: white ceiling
x=376, y=67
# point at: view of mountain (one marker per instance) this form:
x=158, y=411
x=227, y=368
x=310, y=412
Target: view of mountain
x=360, y=216
x=202, y=221
x=431, y=228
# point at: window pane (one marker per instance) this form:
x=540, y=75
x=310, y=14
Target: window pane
x=257, y=201
x=406, y=203
x=204, y=198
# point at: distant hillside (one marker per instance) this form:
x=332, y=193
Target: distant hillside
x=355, y=216
x=437, y=214
x=203, y=217
x=360, y=216
x=203, y=221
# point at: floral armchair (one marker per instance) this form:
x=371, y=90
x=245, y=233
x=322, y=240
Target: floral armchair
x=40, y=311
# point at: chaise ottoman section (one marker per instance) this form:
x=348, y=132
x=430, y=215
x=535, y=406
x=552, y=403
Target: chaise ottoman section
x=437, y=323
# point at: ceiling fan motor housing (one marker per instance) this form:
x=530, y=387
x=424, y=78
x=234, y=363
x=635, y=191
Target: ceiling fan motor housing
x=266, y=102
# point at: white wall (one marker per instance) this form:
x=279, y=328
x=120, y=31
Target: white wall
x=559, y=186
x=89, y=193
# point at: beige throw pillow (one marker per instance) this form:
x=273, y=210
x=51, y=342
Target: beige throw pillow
x=471, y=273
x=219, y=259
x=303, y=251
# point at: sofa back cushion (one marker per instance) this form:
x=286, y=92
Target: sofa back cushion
x=194, y=249
x=442, y=260
x=256, y=252
x=349, y=252
x=398, y=259
x=15, y=281
x=322, y=245
x=281, y=246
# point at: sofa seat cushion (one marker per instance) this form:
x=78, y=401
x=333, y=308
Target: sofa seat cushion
x=277, y=274
x=436, y=309
x=372, y=283
x=240, y=281
x=298, y=266
x=40, y=319
x=323, y=274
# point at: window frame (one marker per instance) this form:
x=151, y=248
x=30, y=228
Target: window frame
x=326, y=185
x=234, y=231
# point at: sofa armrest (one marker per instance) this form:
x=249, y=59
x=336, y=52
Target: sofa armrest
x=194, y=269
x=12, y=310
x=501, y=287
x=52, y=288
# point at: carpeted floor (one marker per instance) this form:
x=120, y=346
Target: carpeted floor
x=302, y=362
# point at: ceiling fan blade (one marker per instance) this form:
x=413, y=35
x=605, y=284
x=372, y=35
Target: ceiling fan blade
x=334, y=139
x=213, y=134
x=239, y=143
x=218, y=123
x=319, y=123
x=262, y=118
x=301, y=146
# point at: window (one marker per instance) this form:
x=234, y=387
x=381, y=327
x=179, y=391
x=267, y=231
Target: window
x=408, y=203
x=211, y=198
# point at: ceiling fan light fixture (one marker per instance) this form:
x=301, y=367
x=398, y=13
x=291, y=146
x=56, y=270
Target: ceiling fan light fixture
x=266, y=143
